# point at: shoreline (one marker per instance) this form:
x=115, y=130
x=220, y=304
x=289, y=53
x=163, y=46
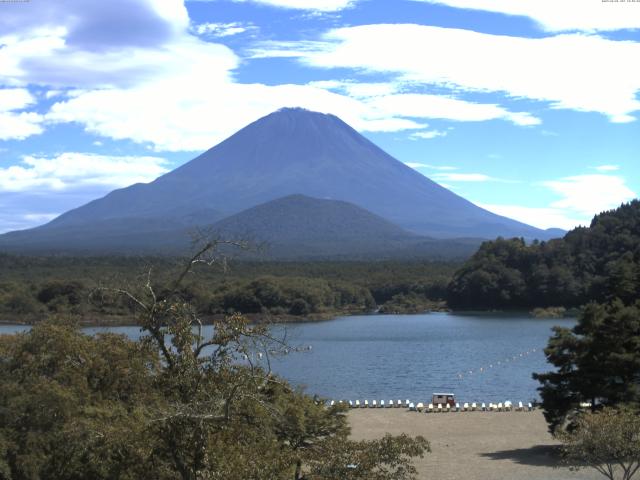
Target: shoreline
x=256, y=318
x=283, y=319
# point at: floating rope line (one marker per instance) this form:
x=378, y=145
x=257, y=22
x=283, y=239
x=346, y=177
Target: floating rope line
x=483, y=369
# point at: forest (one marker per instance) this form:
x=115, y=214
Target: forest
x=596, y=263
x=32, y=288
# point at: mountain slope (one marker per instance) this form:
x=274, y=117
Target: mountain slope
x=291, y=151
x=294, y=227
x=302, y=227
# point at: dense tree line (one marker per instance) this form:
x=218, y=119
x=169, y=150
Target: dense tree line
x=597, y=263
x=174, y=405
x=32, y=287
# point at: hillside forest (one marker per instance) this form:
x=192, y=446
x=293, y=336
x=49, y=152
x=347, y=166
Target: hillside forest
x=596, y=263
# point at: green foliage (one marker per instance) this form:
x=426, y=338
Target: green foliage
x=388, y=458
x=608, y=441
x=174, y=405
x=598, y=362
x=68, y=399
x=33, y=287
x=598, y=263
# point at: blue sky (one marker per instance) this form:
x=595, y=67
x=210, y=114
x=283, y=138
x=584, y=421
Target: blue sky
x=528, y=108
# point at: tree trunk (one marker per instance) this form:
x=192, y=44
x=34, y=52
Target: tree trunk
x=298, y=470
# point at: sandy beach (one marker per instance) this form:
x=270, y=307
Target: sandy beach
x=473, y=445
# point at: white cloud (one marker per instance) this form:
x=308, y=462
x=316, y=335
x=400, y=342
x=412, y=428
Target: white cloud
x=443, y=107
x=570, y=71
x=428, y=134
x=384, y=99
x=319, y=5
x=39, y=218
x=15, y=124
x=10, y=220
x=463, y=177
x=222, y=29
x=180, y=93
x=554, y=15
x=195, y=113
x=588, y=195
x=543, y=217
x=368, y=90
x=74, y=170
x=581, y=198
x=175, y=93
x=18, y=126
x=431, y=167
x=607, y=168
x=15, y=99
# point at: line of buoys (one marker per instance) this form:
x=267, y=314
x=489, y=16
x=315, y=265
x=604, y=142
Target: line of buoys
x=483, y=369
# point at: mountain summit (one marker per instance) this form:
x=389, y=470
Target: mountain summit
x=291, y=151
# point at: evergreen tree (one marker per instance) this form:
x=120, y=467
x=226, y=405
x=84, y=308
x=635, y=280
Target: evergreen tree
x=598, y=362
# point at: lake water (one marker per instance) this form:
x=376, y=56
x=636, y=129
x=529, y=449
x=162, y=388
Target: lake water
x=478, y=357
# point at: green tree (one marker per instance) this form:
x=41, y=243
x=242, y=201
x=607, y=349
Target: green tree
x=608, y=441
x=74, y=406
x=598, y=362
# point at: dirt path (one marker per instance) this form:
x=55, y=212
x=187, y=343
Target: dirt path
x=473, y=445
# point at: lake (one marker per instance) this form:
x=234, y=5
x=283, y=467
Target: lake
x=486, y=357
